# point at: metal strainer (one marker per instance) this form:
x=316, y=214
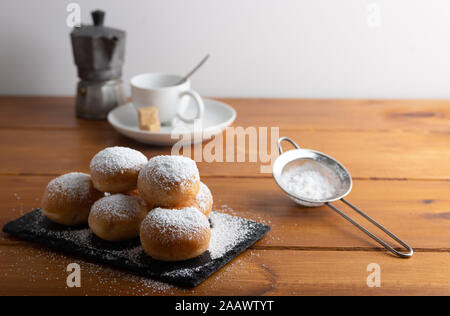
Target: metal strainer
x=341, y=180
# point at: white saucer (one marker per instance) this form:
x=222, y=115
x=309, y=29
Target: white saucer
x=217, y=117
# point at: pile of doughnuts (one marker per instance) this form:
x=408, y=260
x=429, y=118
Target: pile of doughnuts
x=126, y=196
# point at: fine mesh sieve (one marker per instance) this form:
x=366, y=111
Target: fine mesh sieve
x=338, y=177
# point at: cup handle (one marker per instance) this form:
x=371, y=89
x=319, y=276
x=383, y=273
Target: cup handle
x=200, y=106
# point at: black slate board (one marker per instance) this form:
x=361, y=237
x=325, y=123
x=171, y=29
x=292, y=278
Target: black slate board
x=129, y=255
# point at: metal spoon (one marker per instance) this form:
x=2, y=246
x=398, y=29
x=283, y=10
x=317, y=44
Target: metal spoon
x=194, y=70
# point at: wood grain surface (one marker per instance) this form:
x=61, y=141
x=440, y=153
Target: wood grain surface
x=398, y=152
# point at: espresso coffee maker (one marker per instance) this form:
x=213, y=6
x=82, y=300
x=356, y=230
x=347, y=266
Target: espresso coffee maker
x=99, y=53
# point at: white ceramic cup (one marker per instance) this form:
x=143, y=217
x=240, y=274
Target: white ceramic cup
x=163, y=91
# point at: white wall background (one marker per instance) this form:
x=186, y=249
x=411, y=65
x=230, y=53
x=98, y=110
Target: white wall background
x=259, y=48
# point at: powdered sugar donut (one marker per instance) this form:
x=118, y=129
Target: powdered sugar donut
x=175, y=235
x=203, y=201
x=169, y=181
x=117, y=217
x=67, y=199
x=116, y=169
x=134, y=192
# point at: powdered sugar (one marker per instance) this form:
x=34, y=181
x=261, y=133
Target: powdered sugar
x=169, y=170
x=113, y=160
x=187, y=223
x=203, y=197
x=79, y=236
x=117, y=206
x=307, y=182
x=227, y=231
x=72, y=185
x=42, y=265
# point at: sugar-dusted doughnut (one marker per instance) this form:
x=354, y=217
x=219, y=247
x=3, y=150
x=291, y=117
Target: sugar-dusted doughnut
x=169, y=181
x=134, y=192
x=175, y=235
x=116, y=169
x=67, y=199
x=117, y=217
x=203, y=201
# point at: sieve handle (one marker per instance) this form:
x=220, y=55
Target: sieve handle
x=408, y=254
x=280, y=148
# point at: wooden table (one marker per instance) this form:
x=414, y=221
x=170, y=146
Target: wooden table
x=397, y=151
